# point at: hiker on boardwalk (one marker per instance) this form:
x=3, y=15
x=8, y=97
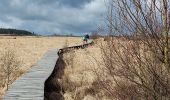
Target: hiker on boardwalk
x=85, y=39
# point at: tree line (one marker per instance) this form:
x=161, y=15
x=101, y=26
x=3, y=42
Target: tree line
x=4, y=31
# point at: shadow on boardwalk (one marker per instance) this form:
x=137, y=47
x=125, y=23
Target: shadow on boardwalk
x=53, y=90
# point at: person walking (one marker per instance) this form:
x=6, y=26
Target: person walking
x=85, y=39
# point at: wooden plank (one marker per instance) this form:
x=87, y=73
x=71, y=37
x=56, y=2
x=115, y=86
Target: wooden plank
x=31, y=85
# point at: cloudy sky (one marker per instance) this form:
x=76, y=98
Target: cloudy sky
x=52, y=16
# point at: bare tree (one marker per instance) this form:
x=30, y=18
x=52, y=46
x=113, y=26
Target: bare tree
x=137, y=60
x=10, y=64
x=165, y=33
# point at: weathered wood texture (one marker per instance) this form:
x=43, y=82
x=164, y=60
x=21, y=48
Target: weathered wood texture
x=31, y=85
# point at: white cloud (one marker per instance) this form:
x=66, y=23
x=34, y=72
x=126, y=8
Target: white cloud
x=15, y=3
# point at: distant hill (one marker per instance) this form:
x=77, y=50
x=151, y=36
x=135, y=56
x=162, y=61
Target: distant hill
x=15, y=32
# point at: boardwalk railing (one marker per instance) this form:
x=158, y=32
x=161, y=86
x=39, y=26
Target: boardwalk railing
x=30, y=86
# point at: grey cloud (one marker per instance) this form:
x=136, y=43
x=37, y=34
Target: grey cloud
x=52, y=16
x=74, y=3
x=59, y=3
x=69, y=3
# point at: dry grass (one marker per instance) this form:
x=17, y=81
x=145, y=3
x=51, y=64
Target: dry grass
x=81, y=74
x=132, y=70
x=30, y=49
x=99, y=73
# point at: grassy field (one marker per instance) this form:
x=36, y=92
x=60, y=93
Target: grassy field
x=120, y=69
x=94, y=73
x=29, y=50
x=82, y=71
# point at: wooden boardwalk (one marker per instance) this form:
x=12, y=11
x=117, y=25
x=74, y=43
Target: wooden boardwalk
x=30, y=86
